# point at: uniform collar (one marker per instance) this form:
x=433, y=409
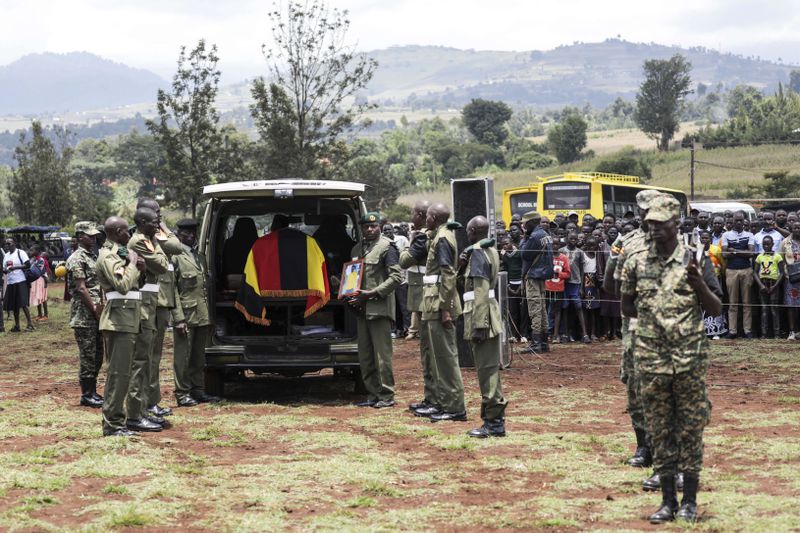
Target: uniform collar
x=677, y=253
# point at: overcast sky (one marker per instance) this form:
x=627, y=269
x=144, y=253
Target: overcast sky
x=148, y=33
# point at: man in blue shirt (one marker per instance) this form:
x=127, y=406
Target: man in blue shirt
x=737, y=249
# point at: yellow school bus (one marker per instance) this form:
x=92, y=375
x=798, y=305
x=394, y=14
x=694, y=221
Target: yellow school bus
x=519, y=200
x=596, y=193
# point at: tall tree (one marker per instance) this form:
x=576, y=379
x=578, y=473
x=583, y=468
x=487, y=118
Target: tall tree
x=92, y=169
x=186, y=128
x=40, y=188
x=486, y=121
x=567, y=139
x=660, y=97
x=315, y=76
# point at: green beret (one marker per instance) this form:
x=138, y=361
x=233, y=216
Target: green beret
x=487, y=243
x=370, y=218
x=453, y=224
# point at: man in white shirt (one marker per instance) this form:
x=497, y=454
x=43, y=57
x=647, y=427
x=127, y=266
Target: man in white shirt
x=17, y=297
x=770, y=229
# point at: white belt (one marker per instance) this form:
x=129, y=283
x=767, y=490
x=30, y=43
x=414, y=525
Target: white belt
x=417, y=269
x=469, y=296
x=149, y=287
x=130, y=295
x=515, y=282
x=430, y=280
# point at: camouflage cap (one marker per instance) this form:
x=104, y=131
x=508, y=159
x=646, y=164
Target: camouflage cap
x=531, y=215
x=89, y=228
x=370, y=218
x=662, y=208
x=643, y=198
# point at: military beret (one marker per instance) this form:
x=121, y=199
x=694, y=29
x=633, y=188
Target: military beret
x=454, y=224
x=662, y=208
x=187, y=223
x=370, y=218
x=89, y=228
x=487, y=243
x=531, y=215
x=645, y=197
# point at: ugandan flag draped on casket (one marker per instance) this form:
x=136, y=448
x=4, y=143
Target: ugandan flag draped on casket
x=283, y=263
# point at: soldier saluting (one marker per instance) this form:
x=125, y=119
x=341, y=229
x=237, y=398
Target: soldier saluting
x=190, y=317
x=145, y=245
x=665, y=289
x=118, y=274
x=375, y=301
x=482, y=324
x=84, y=311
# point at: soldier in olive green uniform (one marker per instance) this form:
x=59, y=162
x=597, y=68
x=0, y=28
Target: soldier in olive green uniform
x=84, y=311
x=190, y=319
x=621, y=249
x=118, y=274
x=482, y=325
x=145, y=245
x=170, y=245
x=414, y=258
x=440, y=308
x=671, y=352
x=375, y=302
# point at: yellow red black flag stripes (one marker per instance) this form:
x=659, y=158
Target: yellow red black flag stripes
x=283, y=263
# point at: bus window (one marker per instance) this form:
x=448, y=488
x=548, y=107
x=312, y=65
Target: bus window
x=567, y=196
x=523, y=202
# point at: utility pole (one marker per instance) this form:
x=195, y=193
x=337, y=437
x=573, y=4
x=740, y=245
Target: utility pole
x=691, y=172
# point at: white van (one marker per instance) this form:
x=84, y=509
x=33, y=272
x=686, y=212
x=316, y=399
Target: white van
x=236, y=215
x=718, y=208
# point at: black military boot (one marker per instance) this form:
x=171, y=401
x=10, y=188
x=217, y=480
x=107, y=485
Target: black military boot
x=642, y=458
x=669, y=502
x=490, y=428
x=86, y=395
x=652, y=484
x=688, y=510
x=94, y=391
x=544, y=347
x=535, y=345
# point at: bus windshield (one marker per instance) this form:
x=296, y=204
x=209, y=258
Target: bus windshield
x=523, y=202
x=568, y=196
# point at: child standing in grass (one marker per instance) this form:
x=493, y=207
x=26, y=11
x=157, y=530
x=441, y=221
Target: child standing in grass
x=769, y=275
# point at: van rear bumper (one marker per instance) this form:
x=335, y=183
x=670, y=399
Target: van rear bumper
x=282, y=356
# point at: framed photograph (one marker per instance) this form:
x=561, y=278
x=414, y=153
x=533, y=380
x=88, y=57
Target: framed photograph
x=352, y=273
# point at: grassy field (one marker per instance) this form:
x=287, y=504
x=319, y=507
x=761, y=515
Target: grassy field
x=284, y=454
x=671, y=170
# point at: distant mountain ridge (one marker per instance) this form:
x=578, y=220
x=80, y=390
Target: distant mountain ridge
x=76, y=81
x=594, y=73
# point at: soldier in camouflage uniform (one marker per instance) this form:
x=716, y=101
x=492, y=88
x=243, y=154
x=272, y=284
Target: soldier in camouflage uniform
x=621, y=249
x=482, y=325
x=146, y=246
x=166, y=303
x=84, y=311
x=414, y=259
x=441, y=306
x=376, y=309
x=671, y=352
x=118, y=272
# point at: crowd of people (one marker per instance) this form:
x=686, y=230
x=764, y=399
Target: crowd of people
x=756, y=261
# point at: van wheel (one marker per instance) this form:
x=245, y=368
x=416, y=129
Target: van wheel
x=215, y=382
x=358, y=381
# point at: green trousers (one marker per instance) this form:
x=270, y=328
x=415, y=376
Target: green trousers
x=629, y=377
x=140, y=372
x=677, y=410
x=449, y=386
x=487, y=364
x=375, y=356
x=189, y=360
x=119, y=354
x=90, y=352
x=153, y=390
x=430, y=376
